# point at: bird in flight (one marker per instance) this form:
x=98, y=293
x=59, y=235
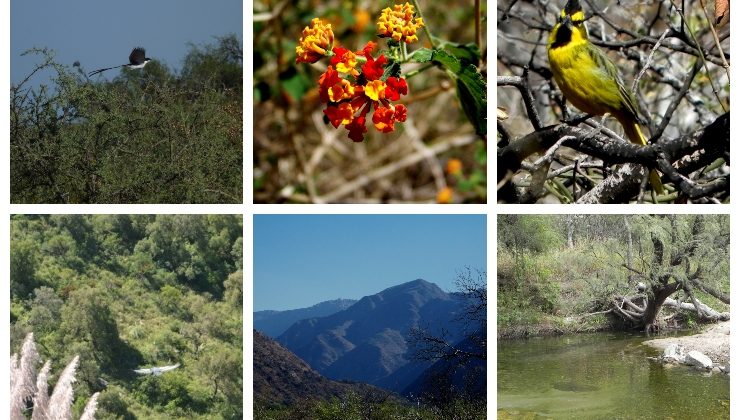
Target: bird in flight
x=136, y=60
x=156, y=371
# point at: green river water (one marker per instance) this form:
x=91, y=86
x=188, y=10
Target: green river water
x=602, y=376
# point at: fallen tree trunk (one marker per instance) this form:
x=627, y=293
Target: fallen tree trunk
x=640, y=311
x=706, y=313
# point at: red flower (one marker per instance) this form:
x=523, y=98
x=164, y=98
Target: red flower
x=373, y=69
x=344, y=61
x=357, y=129
x=349, y=100
x=400, y=112
x=395, y=87
x=341, y=114
x=326, y=82
x=367, y=49
x=384, y=118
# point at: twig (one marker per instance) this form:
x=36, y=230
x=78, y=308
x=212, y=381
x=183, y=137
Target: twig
x=547, y=157
x=386, y=170
x=649, y=60
x=522, y=85
x=412, y=134
x=703, y=60
x=716, y=38
x=568, y=168
x=679, y=96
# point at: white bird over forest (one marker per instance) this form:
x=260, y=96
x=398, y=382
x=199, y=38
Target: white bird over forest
x=156, y=371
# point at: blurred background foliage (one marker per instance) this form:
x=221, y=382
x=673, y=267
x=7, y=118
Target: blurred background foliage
x=124, y=292
x=299, y=157
x=144, y=136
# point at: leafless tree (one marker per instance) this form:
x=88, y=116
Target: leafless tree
x=431, y=346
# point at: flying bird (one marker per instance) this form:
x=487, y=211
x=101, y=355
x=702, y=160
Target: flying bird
x=156, y=371
x=136, y=60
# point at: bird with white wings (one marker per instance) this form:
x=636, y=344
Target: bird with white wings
x=156, y=371
x=136, y=60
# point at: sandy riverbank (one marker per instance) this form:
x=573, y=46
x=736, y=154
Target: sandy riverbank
x=714, y=342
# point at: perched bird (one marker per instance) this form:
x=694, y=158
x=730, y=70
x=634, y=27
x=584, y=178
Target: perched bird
x=137, y=59
x=156, y=371
x=589, y=79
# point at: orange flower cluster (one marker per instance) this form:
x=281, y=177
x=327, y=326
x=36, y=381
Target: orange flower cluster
x=399, y=23
x=454, y=167
x=445, y=196
x=315, y=42
x=349, y=101
x=356, y=83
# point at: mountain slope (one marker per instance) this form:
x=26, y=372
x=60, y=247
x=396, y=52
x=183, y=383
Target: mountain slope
x=274, y=323
x=281, y=378
x=368, y=341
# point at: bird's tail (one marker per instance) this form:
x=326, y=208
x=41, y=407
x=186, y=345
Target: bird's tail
x=634, y=134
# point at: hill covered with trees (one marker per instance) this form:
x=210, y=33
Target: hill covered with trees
x=130, y=292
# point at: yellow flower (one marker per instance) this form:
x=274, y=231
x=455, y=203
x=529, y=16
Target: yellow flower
x=444, y=196
x=316, y=41
x=375, y=90
x=399, y=23
x=342, y=90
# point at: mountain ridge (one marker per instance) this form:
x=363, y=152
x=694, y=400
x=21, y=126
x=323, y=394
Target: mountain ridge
x=274, y=322
x=369, y=341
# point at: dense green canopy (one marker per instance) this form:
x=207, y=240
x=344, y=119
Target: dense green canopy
x=124, y=292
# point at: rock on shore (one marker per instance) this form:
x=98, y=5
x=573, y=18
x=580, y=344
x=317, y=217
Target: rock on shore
x=713, y=342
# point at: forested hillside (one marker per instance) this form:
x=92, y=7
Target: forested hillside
x=149, y=135
x=131, y=292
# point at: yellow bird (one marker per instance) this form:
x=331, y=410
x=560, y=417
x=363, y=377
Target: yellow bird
x=589, y=79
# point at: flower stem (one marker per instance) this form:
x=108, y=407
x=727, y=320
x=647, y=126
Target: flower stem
x=426, y=26
x=477, y=24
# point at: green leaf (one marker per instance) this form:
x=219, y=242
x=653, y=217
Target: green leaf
x=471, y=88
x=296, y=86
x=466, y=53
x=392, y=43
x=480, y=153
x=449, y=62
x=393, y=68
x=422, y=55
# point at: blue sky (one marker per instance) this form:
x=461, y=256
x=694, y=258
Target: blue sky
x=301, y=260
x=102, y=33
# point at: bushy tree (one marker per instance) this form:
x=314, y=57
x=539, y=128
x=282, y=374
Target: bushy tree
x=147, y=136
